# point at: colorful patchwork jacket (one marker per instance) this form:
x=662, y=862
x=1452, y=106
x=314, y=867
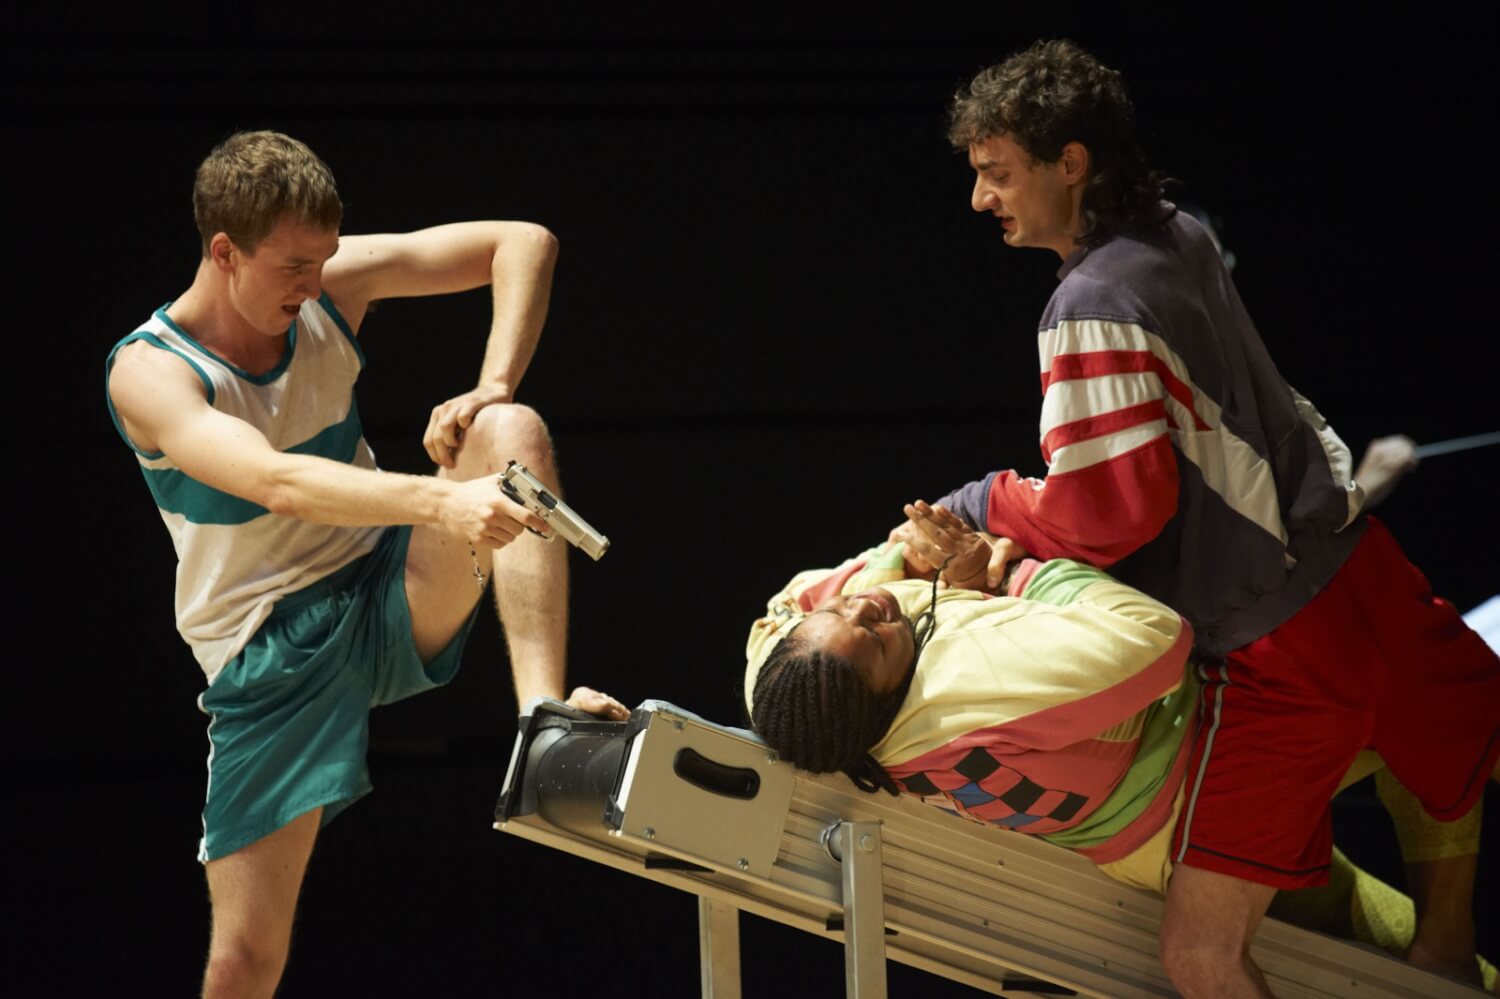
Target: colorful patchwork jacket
x=1059, y=709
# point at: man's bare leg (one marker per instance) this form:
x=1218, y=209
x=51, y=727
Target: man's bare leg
x=1441, y=860
x=253, y=892
x=531, y=584
x=530, y=576
x=1443, y=891
x=1206, y=929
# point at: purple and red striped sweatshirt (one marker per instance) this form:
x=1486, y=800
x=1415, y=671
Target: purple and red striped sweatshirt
x=1177, y=456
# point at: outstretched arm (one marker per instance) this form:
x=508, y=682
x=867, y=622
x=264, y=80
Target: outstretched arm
x=162, y=407
x=1385, y=462
x=1109, y=405
x=515, y=259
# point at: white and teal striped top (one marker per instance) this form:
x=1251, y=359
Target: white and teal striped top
x=235, y=559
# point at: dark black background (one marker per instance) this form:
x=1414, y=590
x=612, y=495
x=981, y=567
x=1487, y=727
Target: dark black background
x=775, y=319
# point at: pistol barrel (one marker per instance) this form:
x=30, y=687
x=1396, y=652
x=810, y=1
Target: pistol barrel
x=532, y=493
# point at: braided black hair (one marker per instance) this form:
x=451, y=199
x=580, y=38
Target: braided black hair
x=815, y=710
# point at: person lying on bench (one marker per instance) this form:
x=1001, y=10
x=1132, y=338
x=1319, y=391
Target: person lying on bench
x=1042, y=697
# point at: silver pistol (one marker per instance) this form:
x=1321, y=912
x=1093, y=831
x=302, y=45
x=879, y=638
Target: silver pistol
x=529, y=491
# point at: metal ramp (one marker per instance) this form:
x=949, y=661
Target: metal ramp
x=684, y=802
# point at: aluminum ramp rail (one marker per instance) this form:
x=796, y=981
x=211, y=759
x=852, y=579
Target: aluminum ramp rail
x=681, y=801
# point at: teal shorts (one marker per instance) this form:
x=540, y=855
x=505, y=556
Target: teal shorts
x=289, y=716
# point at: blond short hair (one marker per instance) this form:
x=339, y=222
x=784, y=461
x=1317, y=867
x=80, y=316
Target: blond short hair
x=252, y=180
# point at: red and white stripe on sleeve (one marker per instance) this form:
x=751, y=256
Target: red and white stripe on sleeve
x=1112, y=395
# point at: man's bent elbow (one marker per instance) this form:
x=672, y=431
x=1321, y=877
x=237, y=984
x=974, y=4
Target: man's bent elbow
x=278, y=490
x=1130, y=528
x=1141, y=531
x=281, y=499
x=537, y=240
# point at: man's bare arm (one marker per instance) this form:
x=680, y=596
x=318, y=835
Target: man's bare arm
x=163, y=408
x=515, y=258
x=1385, y=462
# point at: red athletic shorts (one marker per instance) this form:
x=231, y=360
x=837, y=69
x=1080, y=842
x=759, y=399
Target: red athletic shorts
x=1373, y=661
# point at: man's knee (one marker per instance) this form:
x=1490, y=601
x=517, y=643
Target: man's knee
x=510, y=432
x=243, y=966
x=1199, y=958
x=1206, y=929
x=254, y=896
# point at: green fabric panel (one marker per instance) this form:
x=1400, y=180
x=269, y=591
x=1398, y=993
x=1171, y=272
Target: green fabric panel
x=1166, y=722
x=886, y=556
x=177, y=492
x=1061, y=580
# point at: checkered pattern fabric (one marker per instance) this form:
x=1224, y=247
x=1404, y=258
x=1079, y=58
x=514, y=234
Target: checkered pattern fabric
x=984, y=788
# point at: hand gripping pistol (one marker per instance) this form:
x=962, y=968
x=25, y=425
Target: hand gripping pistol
x=529, y=491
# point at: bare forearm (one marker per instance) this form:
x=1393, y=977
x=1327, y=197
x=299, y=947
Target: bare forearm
x=331, y=492
x=521, y=278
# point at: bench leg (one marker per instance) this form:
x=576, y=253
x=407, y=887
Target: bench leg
x=718, y=949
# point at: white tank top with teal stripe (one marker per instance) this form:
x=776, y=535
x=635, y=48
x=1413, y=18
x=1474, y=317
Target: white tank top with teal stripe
x=235, y=559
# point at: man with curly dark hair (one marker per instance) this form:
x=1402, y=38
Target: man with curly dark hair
x=1042, y=108
x=1180, y=459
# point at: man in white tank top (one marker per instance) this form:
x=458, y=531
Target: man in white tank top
x=237, y=398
